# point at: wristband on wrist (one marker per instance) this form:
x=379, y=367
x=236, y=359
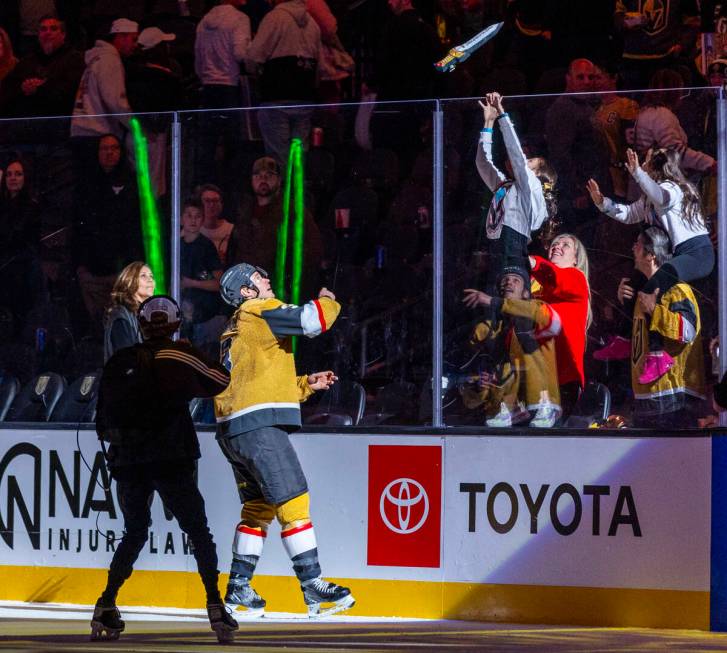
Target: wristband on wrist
x=486, y=130
x=502, y=115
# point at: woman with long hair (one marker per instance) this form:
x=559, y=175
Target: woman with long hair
x=671, y=202
x=563, y=281
x=134, y=284
x=19, y=247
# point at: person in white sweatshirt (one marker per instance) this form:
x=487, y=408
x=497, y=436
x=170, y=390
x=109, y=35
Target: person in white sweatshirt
x=672, y=203
x=286, y=52
x=103, y=85
x=522, y=202
x=221, y=44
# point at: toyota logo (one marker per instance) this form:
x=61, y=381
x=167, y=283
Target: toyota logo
x=404, y=493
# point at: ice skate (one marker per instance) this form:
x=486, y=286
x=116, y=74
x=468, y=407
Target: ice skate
x=241, y=594
x=317, y=592
x=106, y=623
x=221, y=622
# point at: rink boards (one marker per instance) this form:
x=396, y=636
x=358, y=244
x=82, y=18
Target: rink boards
x=575, y=530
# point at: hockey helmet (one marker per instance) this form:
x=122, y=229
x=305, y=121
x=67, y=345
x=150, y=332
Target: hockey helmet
x=160, y=309
x=238, y=276
x=159, y=316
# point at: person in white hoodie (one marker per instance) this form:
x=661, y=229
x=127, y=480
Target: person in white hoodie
x=672, y=203
x=102, y=90
x=522, y=202
x=286, y=51
x=223, y=38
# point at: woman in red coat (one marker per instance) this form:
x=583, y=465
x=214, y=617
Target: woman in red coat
x=564, y=285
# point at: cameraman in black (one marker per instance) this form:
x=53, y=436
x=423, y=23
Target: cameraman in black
x=143, y=414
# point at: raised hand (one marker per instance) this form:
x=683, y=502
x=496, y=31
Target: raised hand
x=489, y=113
x=474, y=298
x=495, y=99
x=632, y=161
x=594, y=191
x=324, y=292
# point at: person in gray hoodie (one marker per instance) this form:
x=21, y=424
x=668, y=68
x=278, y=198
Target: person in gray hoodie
x=286, y=51
x=223, y=38
x=102, y=93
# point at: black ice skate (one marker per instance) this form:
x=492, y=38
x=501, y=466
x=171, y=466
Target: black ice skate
x=318, y=591
x=221, y=622
x=241, y=594
x=106, y=623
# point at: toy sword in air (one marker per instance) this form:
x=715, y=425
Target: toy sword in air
x=461, y=53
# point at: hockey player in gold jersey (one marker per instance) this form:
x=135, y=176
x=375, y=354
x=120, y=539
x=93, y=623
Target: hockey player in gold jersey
x=255, y=415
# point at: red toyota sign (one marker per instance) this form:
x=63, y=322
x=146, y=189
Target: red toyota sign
x=405, y=499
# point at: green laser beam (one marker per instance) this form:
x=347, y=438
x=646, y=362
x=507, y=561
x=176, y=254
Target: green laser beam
x=151, y=228
x=292, y=186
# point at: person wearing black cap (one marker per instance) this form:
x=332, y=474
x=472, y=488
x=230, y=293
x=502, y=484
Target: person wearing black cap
x=255, y=416
x=143, y=415
x=524, y=384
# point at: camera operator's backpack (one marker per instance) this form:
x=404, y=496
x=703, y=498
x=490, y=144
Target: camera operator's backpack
x=128, y=398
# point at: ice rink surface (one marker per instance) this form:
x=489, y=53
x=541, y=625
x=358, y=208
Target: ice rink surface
x=55, y=627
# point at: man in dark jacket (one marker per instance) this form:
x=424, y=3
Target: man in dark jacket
x=153, y=448
x=44, y=83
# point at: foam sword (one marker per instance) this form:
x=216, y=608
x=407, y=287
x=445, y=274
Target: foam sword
x=461, y=53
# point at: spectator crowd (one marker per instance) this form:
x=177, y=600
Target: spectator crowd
x=583, y=83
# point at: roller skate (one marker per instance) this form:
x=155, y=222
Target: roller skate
x=221, y=622
x=106, y=623
x=240, y=593
x=317, y=591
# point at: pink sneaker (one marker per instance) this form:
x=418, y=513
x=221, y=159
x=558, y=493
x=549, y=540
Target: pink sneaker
x=616, y=349
x=656, y=365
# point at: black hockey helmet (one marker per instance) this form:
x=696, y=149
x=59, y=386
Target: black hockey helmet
x=238, y=276
x=159, y=315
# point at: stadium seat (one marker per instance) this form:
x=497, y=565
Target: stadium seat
x=37, y=399
x=9, y=388
x=395, y=403
x=594, y=405
x=342, y=405
x=78, y=403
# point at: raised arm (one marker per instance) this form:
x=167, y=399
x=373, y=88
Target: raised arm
x=485, y=165
x=309, y=320
x=626, y=213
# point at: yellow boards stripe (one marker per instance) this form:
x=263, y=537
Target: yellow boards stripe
x=429, y=600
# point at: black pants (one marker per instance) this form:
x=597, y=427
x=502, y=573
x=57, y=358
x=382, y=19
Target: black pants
x=178, y=490
x=511, y=248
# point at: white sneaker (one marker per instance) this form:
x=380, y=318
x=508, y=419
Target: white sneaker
x=506, y=418
x=546, y=416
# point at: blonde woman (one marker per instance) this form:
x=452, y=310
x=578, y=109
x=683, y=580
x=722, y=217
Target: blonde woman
x=563, y=278
x=134, y=284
